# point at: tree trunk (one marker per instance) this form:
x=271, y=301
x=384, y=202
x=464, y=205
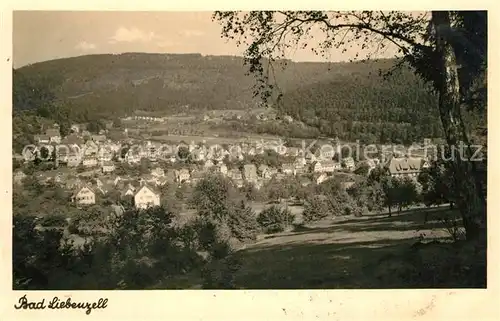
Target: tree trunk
x=470, y=198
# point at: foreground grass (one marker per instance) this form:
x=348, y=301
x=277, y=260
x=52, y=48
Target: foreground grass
x=376, y=252
x=368, y=252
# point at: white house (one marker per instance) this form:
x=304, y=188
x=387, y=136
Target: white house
x=54, y=135
x=321, y=178
x=199, y=154
x=105, y=154
x=406, y=166
x=288, y=169
x=84, y=196
x=222, y=168
x=182, y=175
x=349, y=163
x=132, y=157
x=117, y=180
x=235, y=174
x=158, y=172
x=128, y=190
x=326, y=167
x=425, y=164
x=292, y=152
x=330, y=166
x=99, y=139
x=108, y=167
x=99, y=183
x=42, y=139
x=269, y=173
x=208, y=163
x=310, y=158
x=18, y=177
x=29, y=154
x=74, y=159
x=250, y=172
x=300, y=162
x=263, y=168
x=89, y=161
x=327, y=152
x=90, y=148
x=75, y=128
x=239, y=183
x=146, y=197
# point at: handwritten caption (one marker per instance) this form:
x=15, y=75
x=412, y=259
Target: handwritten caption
x=57, y=303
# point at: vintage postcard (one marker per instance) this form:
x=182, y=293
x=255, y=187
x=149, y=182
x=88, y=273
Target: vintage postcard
x=302, y=153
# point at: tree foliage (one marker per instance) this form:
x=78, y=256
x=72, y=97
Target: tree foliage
x=275, y=219
x=437, y=184
x=139, y=248
x=218, y=202
x=433, y=44
x=315, y=208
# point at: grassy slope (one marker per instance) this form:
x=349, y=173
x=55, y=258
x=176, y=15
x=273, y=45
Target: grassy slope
x=367, y=252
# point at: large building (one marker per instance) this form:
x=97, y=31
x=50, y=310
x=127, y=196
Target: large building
x=404, y=166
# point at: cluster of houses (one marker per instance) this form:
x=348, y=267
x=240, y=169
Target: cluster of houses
x=99, y=155
x=217, y=116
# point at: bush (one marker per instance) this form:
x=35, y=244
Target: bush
x=275, y=219
x=353, y=209
x=217, y=201
x=242, y=222
x=54, y=220
x=219, y=274
x=88, y=223
x=315, y=209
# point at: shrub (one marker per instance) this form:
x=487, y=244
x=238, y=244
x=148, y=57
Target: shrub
x=216, y=200
x=315, y=209
x=353, y=209
x=90, y=222
x=220, y=274
x=54, y=220
x=242, y=222
x=275, y=219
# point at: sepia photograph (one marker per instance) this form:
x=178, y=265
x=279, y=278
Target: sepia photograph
x=245, y=150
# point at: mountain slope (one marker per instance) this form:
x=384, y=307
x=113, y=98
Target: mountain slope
x=342, y=99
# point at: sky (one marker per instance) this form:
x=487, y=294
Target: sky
x=46, y=35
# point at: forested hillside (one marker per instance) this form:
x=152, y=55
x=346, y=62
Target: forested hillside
x=368, y=108
x=347, y=100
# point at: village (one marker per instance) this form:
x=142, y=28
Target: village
x=87, y=164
